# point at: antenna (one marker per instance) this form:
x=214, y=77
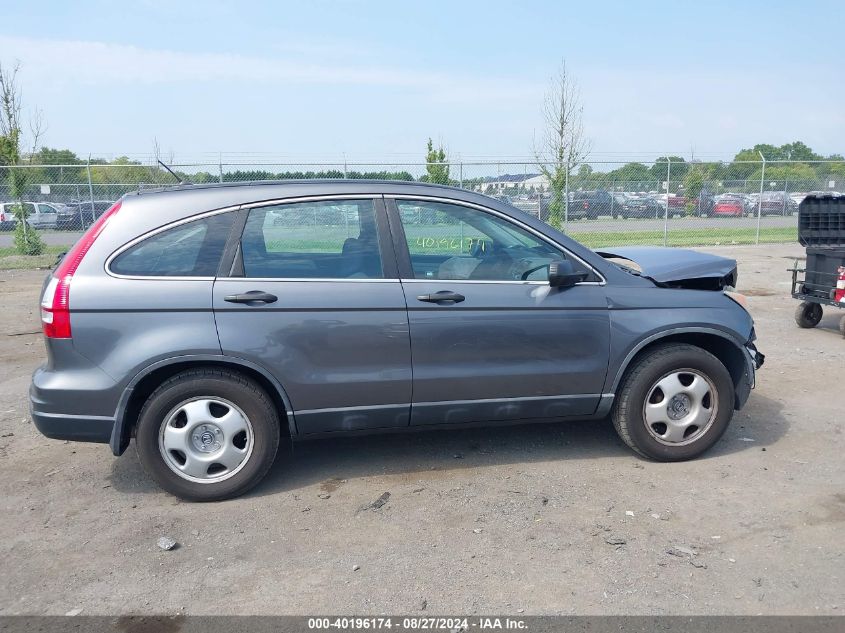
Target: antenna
x=173, y=173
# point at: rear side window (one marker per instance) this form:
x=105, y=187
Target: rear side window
x=334, y=239
x=192, y=249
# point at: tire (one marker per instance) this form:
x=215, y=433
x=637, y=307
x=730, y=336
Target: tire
x=682, y=438
x=808, y=314
x=247, y=437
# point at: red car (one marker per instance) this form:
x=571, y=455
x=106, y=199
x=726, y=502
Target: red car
x=729, y=206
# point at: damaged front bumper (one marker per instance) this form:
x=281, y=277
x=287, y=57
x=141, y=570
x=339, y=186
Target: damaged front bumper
x=754, y=361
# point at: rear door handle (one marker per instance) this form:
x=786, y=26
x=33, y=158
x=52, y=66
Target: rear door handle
x=442, y=297
x=253, y=296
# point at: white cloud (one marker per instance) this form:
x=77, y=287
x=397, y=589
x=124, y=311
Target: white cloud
x=106, y=63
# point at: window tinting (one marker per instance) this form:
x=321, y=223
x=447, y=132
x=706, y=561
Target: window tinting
x=448, y=241
x=192, y=249
x=331, y=240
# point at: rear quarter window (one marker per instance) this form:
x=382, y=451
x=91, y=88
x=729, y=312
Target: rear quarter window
x=192, y=249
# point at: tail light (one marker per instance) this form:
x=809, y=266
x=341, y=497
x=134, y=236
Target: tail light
x=55, y=304
x=839, y=293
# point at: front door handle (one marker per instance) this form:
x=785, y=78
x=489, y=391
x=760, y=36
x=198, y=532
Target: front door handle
x=253, y=296
x=442, y=297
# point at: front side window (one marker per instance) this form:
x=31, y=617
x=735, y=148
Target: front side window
x=334, y=239
x=192, y=249
x=448, y=241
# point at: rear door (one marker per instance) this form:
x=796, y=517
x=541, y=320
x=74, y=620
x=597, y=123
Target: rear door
x=501, y=344
x=326, y=315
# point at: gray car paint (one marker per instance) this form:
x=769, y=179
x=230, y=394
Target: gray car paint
x=666, y=265
x=538, y=366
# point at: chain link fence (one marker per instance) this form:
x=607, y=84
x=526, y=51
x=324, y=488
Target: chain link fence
x=666, y=202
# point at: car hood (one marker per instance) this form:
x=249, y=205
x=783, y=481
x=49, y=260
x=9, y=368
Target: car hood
x=678, y=267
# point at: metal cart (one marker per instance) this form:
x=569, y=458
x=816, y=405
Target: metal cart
x=821, y=229
x=809, y=312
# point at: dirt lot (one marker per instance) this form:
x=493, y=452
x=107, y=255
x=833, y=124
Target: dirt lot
x=546, y=519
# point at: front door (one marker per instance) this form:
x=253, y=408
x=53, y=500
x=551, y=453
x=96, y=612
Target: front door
x=490, y=339
x=313, y=298
x=46, y=216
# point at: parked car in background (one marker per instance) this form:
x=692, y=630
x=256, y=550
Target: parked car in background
x=79, y=215
x=185, y=320
x=620, y=198
x=592, y=204
x=798, y=197
x=704, y=204
x=729, y=205
x=677, y=204
x=39, y=215
x=777, y=203
x=641, y=207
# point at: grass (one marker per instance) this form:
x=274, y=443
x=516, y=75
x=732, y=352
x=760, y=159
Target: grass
x=688, y=237
x=10, y=260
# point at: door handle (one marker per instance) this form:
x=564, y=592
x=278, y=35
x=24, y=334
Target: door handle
x=442, y=297
x=253, y=296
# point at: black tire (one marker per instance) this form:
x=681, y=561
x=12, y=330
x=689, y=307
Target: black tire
x=808, y=314
x=639, y=380
x=220, y=383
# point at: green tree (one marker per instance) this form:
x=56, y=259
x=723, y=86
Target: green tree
x=631, y=176
x=49, y=156
x=435, y=165
x=658, y=171
x=27, y=240
x=694, y=183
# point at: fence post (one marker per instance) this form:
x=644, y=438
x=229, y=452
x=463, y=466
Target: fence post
x=666, y=212
x=90, y=193
x=461, y=178
x=785, y=203
x=566, y=199
x=760, y=201
x=220, y=166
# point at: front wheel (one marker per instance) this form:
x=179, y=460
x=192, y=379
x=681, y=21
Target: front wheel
x=808, y=314
x=208, y=434
x=674, y=403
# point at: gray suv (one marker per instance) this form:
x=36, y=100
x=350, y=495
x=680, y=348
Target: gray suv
x=209, y=322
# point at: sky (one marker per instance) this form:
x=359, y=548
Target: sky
x=318, y=80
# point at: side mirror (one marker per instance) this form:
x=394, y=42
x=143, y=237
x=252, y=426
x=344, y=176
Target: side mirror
x=563, y=275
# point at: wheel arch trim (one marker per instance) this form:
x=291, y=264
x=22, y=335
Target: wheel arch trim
x=656, y=338
x=120, y=434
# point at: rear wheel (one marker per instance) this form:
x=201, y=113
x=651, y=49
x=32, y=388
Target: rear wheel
x=808, y=314
x=208, y=434
x=674, y=403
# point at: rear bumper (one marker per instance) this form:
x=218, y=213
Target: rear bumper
x=77, y=428
x=78, y=403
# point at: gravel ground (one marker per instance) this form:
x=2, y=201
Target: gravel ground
x=547, y=519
